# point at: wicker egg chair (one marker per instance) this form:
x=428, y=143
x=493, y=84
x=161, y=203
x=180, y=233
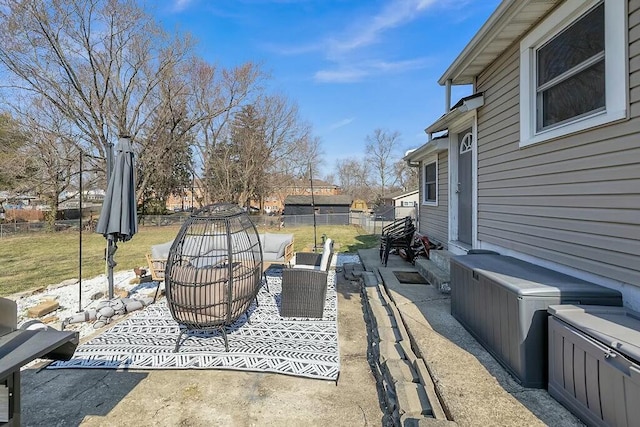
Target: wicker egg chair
x=214, y=270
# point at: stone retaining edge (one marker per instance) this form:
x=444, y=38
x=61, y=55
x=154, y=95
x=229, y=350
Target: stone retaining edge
x=404, y=381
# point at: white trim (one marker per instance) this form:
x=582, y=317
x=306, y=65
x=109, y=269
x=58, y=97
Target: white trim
x=455, y=248
x=615, y=69
x=426, y=150
x=452, y=231
x=425, y=163
x=447, y=121
x=505, y=13
x=474, y=182
x=470, y=122
x=407, y=194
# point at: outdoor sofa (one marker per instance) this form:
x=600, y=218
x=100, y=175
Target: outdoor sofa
x=276, y=248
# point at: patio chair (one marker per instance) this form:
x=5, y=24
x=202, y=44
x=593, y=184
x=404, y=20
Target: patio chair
x=157, y=261
x=304, y=286
x=392, y=228
x=400, y=236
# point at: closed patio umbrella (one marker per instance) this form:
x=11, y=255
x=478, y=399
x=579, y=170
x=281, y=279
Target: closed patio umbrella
x=119, y=218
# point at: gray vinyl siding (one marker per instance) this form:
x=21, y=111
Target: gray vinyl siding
x=434, y=220
x=573, y=201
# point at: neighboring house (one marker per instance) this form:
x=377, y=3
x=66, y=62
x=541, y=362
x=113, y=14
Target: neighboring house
x=359, y=205
x=542, y=162
x=188, y=200
x=335, y=209
x=302, y=205
x=405, y=203
x=299, y=187
x=399, y=205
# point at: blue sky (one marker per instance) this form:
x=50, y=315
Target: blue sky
x=351, y=65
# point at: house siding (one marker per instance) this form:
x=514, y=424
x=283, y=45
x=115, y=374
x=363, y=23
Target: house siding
x=575, y=200
x=434, y=220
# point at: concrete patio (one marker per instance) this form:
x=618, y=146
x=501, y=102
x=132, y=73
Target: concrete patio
x=464, y=383
x=99, y=397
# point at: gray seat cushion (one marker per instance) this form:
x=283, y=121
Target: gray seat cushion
x=274, y=245
x=161, y=251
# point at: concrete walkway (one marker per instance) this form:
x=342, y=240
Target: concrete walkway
x=96, y=397
x=473, y=389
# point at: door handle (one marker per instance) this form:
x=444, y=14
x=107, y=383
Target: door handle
x=458, y=188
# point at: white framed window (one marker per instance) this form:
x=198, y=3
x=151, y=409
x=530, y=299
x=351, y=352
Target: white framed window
x=430, y=183
x=573, y=70
x=467, y=143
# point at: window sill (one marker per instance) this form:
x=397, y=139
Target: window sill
x=574, y=127
x=429, y=203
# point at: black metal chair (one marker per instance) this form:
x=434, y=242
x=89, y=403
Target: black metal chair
x=398, y=235
x=392, y=228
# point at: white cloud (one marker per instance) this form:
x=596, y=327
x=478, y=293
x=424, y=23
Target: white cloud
x=393, y=15
x=293, y=50
x=339, y=76
x=341, y=123
x=344, y=52
x=180, y=5
x=356, y=72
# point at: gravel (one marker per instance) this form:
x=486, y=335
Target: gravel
x=66, y=294
x=93, y=292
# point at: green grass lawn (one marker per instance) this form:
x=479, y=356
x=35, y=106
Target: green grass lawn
x=32, y=261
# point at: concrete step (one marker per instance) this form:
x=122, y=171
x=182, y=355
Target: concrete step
x=441, y=258
x=436, y=276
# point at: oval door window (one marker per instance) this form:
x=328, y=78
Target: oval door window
x=467, y=143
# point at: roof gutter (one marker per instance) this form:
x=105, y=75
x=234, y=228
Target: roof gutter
x=498, y=19
x=413, y=157
x=445, y=121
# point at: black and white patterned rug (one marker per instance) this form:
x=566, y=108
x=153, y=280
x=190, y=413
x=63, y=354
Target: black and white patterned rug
x=269, y=343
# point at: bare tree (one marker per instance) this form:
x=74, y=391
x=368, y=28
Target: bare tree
x=381, y=147
x=54, y=153
x=110, y=70
x=353, y=177
x=97, y=62
x=220, y=94
x=406, y=177
x=267, y=144
x=16, y=167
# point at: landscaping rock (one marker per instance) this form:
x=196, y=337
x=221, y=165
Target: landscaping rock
x=63, y=284
x=98, y=295
x=45, y=307
x=120, y=293
x=50, y=319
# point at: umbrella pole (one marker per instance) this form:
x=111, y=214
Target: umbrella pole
x=313, y=209
x=109, y=257
x=80, y=240
x=111, y=248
